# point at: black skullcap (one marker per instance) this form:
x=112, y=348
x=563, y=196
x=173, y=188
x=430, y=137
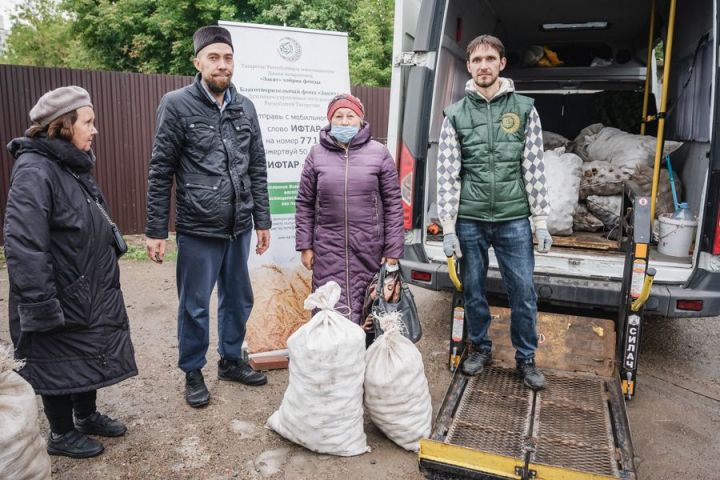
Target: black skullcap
x=210, y=34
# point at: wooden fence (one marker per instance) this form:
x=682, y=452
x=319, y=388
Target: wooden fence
x=125, y=105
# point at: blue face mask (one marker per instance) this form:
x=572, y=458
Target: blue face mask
x=343, y=134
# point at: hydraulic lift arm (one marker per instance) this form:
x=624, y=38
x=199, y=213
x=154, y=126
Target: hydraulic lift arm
x=637, y=284
x=458, y=328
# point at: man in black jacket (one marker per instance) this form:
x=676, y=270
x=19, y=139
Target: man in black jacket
x=208, y=139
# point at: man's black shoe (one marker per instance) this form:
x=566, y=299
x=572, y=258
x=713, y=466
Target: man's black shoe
x=532, y=376
x=475, y=363
x=74, y=444
x=239, y=371
x=102, y=425
x=196, y=393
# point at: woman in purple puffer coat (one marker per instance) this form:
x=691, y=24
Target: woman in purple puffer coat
x=348, y=216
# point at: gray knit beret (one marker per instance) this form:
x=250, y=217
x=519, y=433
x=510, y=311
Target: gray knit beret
x=58, y=102
x=210, y=34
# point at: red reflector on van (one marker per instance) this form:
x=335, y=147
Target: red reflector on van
x=692, y=305
x=420, y=276
x=716, y=243
x=407, y=185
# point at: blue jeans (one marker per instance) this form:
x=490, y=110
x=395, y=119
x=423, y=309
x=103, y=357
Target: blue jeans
x=201, y=263
x=512, y=241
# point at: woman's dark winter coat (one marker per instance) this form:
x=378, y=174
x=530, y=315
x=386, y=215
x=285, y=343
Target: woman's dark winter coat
x=348, y=211
x=67, y=313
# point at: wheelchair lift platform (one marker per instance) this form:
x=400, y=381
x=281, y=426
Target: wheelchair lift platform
x=492, y=426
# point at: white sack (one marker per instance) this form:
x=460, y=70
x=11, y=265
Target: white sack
x=625, y=149
x=607, y=209
x=552, y=140
x=584, y=221
x=664, y=200
x=397, y=397
x=322, y=409
x=584, y=139
x=603, y=178
x=23, y=455
x=533, y=55
x=562, y=174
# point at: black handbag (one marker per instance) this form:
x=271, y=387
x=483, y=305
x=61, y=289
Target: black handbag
x=405, y=305
x=120, y=245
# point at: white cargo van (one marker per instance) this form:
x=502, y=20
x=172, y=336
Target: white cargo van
x=582, y=271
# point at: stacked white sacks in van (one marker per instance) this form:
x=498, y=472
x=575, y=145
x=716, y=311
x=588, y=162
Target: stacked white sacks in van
x=611, y=157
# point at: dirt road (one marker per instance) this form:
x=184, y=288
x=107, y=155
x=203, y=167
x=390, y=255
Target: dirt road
x=675, y=419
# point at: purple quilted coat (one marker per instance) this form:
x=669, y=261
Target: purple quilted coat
x=348, y=211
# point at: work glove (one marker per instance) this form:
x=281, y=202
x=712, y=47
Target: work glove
x=544, y=240
x=451, y=245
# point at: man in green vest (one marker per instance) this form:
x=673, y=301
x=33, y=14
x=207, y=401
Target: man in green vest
x=490, y=180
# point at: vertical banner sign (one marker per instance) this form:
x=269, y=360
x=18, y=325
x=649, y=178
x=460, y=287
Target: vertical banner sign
x=290, y=74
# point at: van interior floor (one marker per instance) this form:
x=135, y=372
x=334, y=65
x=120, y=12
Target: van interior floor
x=588, y=240
x=584, y=240
x=596, y=242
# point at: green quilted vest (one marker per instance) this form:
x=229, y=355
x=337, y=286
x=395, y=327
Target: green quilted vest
x=492, y=139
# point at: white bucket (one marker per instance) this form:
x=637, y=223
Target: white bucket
x=675, y=236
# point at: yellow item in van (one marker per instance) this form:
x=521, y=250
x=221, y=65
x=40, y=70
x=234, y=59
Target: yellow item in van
x=543, y=62
x=552, y=57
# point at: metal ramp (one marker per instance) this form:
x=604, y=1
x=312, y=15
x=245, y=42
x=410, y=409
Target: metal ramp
x=573, y=428
x=567, y=425
x=493, y=427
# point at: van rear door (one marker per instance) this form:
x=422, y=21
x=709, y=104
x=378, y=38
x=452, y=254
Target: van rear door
x=411, y=95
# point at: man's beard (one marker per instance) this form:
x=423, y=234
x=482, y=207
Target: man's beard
x=218, y=86
x=485, y=84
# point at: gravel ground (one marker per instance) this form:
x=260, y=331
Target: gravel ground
x=675, y=418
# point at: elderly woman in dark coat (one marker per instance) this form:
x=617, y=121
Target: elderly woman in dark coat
x=67, y=314
x=348, y=210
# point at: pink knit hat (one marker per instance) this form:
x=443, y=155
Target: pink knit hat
x=345, y=100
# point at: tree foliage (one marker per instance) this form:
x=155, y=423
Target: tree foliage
x=155, y=36
x=150, y=36
x=369, y=24
x=42, y=36
x=318, y=14
x=371, y=42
